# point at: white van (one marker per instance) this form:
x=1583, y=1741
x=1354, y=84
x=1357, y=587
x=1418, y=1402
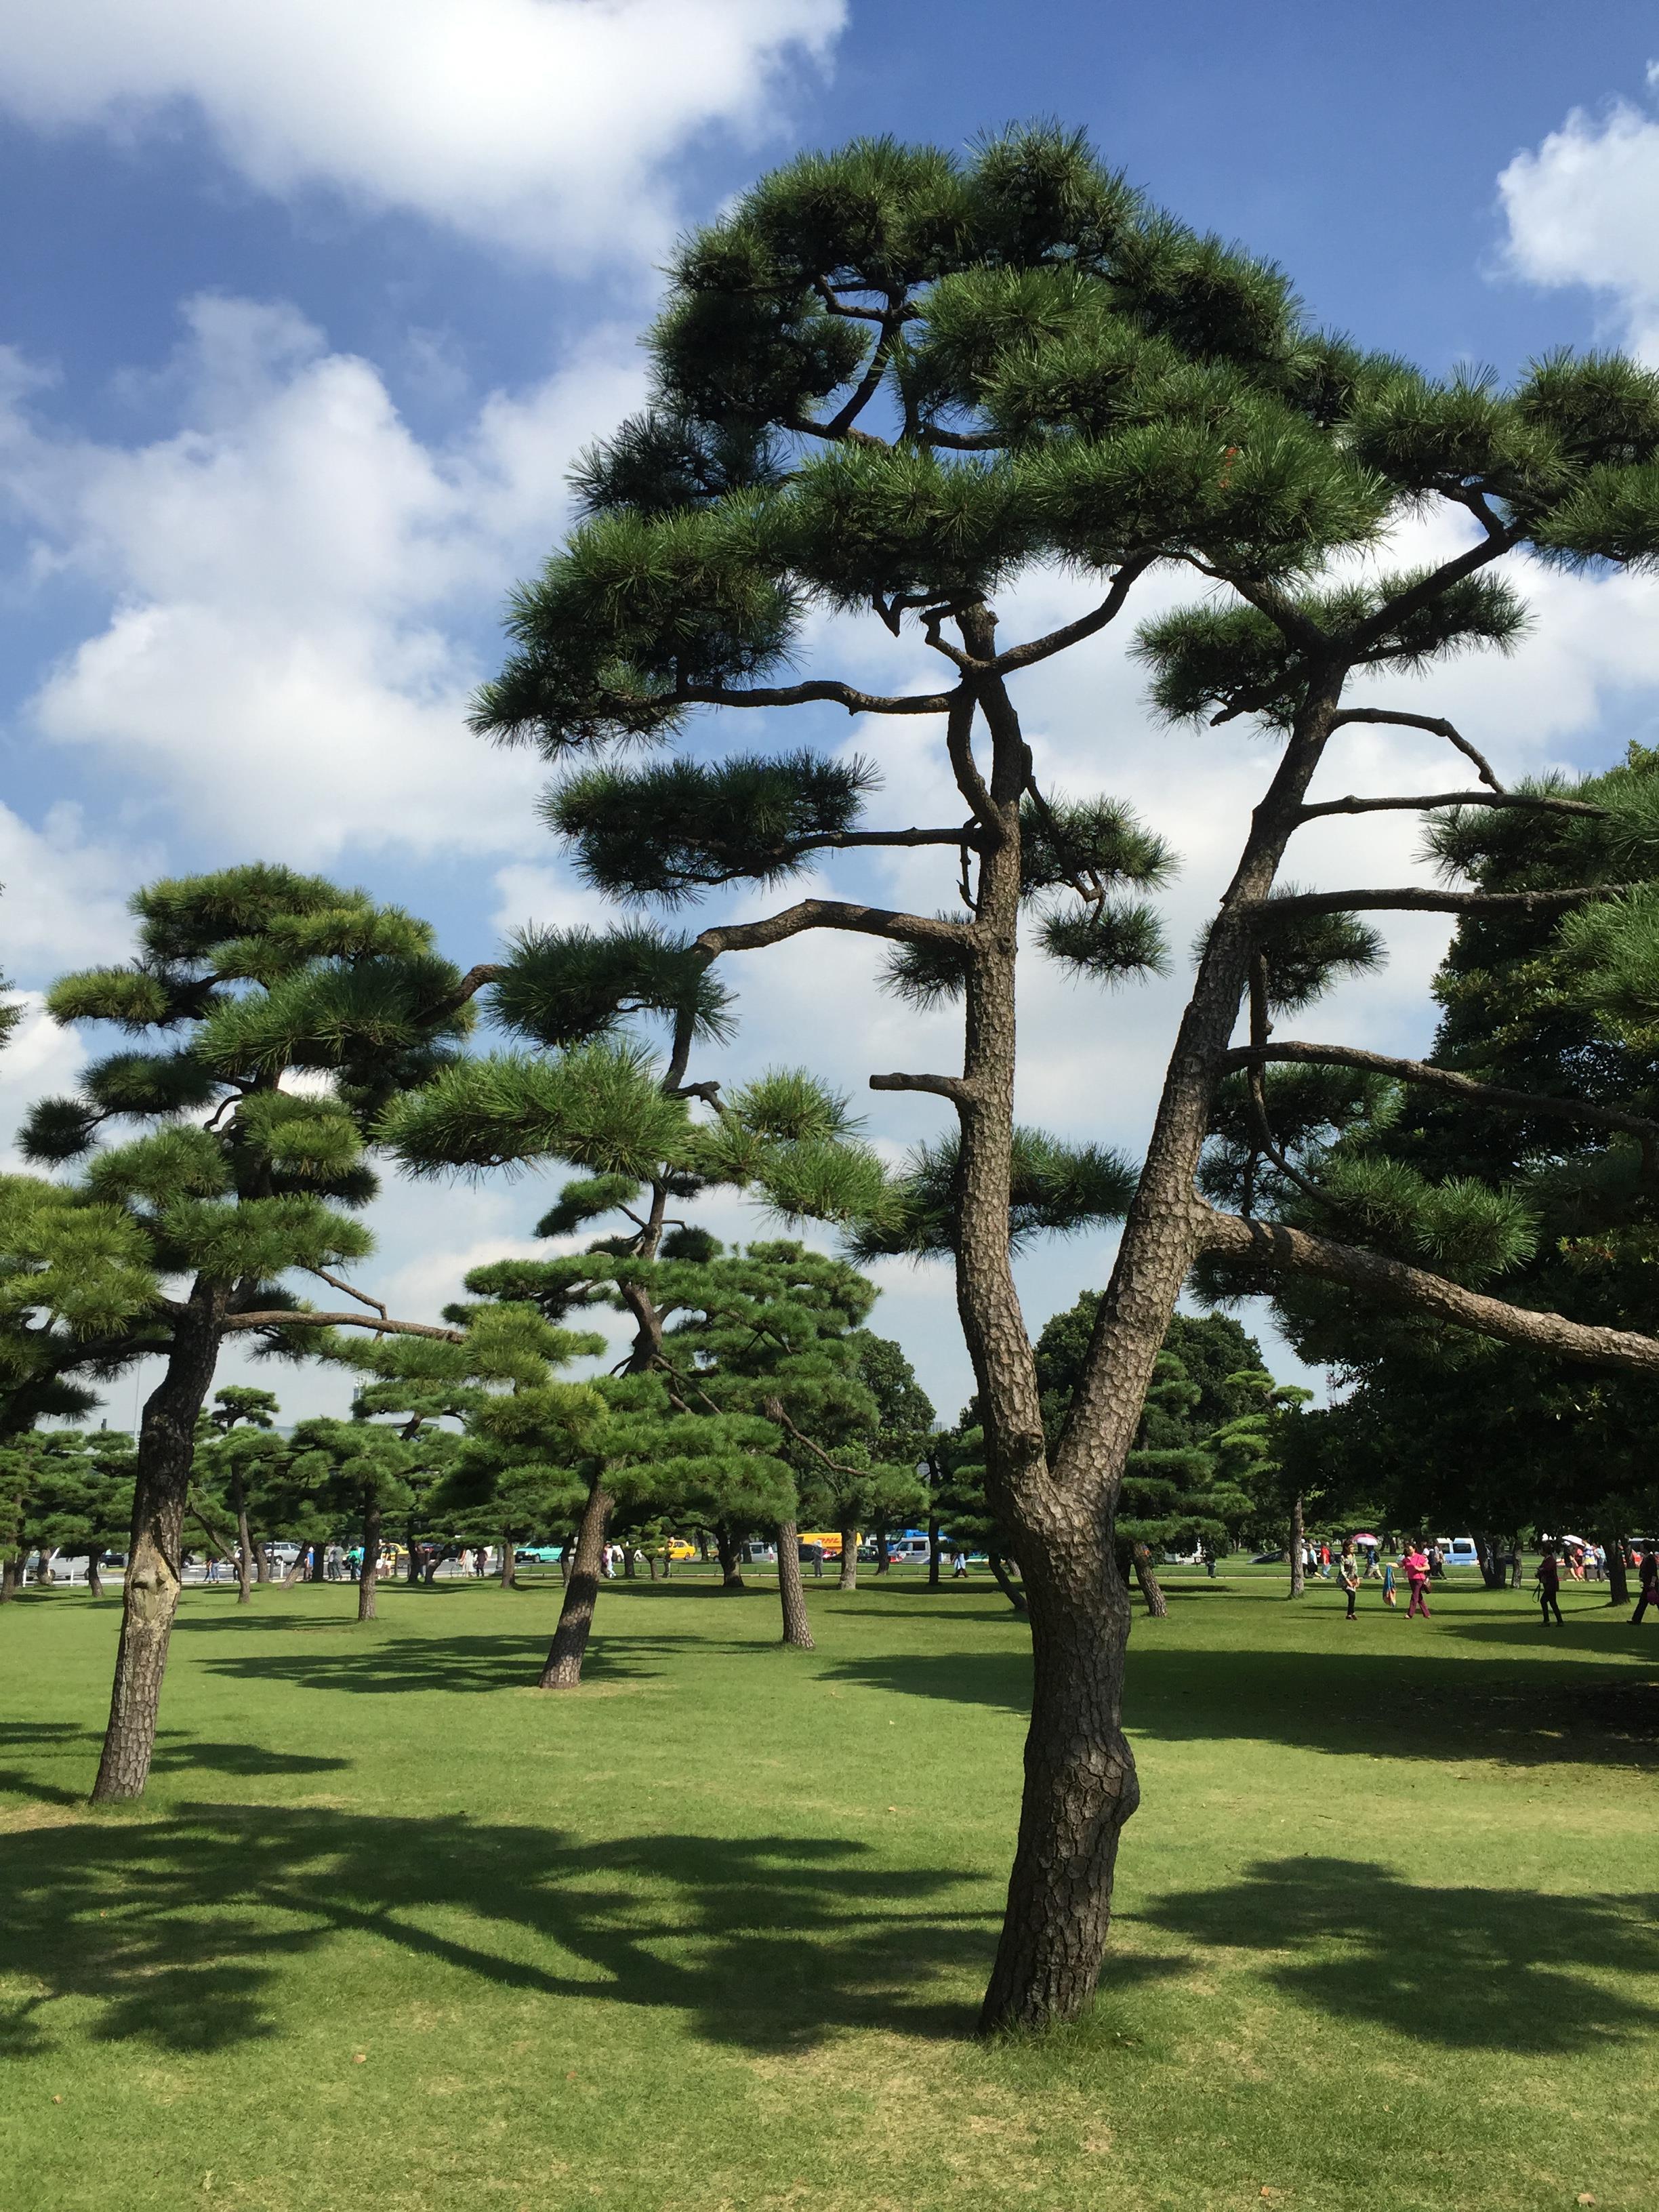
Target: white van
x=1459, y=1551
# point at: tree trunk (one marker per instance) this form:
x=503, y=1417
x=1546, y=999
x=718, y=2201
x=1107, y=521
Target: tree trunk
x=849, y=1559
x=296, y=1570
x=509, y=1564
x=43, y=1573
x=318, y=1563
x=262, y=1562
x=731, y=1559
x=564, y=1563
x=370, y=1575
x=651, y=1564
x=1618, y=1577
x=935, y=1546
x=792, y=1595
x=1299, y=1548
x=11, y=1576
x=563, y=1669
x=1005, y=1581
x=882, y=1563
x=411, y=1557
x=1080, y=1787
x=244, y=1543
x=629, y=1575
x=1146, y=1575
x=167, y=1444
x=94, y=1577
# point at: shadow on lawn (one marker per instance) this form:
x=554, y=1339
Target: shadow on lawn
x=1469, y=1969
x=176, y=1752
x=180, y=1930
x=461, y=1664
x=1420, y=1707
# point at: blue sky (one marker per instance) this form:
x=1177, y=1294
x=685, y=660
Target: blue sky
x=305, y=312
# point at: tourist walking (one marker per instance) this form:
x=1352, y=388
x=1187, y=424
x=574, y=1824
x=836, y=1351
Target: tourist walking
x=1350, y=1580
x=1414, y=1565
x=1549, y=1587
x=1647, y=1585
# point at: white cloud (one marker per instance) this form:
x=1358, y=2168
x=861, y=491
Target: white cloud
x=293, y=579
x=545, y=126
x=1583, y=209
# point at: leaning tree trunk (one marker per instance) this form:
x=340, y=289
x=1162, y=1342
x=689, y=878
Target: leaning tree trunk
x=849, y=1559
x=1299, y=1548
x=1080, y=1787
x=296, y=1570
x=791, y=1594
x=731, y=1559
x=1151, y=1589
x=1005, y=1581
x=563, y=1669
x=368, y=1578
x=167, y=1443
x=509, y=1564
x=244, y=1543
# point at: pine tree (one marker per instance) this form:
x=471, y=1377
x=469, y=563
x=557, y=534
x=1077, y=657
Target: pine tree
x=63, y=1490
x=888, y=380
x=241, y=980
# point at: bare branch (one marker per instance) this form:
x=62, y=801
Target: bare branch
x=804, y=426
x=1393, y=1283
x=304, y=1317
x=1541, y=805
x=1436, y=724
x=817, y=691
x=350, y=1289
x=1586, y=1111
x=942, y=1086
x=1410, y=898
x=832, y=914
x=1450, y=572
x=962, y=442
x=1056, y=641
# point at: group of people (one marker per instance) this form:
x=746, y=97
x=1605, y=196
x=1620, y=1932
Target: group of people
x=1576, y=1559
x=1419, y=1567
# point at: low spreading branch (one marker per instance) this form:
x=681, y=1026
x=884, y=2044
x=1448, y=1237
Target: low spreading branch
x=303, y=1317
x=1539, y=804
x=832, y=914
x=1410, y=898
x=942, y=1086
x=1394, y=1282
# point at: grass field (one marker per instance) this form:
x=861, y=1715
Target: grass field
x=391, y=1928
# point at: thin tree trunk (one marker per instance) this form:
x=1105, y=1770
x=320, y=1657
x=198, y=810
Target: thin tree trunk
x=791, y=1594
x=1005, y=1581
x=370, y=1577
x=94, y=1577
x=509, y=1564
x=43, y=1573
x=167, y=1444
x=1080, y=1787
x=563, y=1669
x=1146, y=1575
x=731, y=1559
x=244, y=1543
x=651, y=1564
x=1618, y=1578
x=296, y=1570
x=1298, y=1548
x=882, y=1562
x=564, y=1563
x=412, y=1556
x=629, y=1572
x=849, y=1559
x=935, y=1546
x=262, y=1561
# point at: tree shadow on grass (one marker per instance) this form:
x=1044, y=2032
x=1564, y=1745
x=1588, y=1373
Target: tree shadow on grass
x=1418, y=1707
x=176, y=1752
x=180, y=1931
x=460, y=1663
x=1468, y=1969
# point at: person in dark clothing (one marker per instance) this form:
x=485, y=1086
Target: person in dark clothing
x=1647, y=1583
x=1549, y=1588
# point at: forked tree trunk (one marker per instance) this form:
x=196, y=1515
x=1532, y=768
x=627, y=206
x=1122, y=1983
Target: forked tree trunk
x=166, y=1441
x=563, y=1669
x=1080, y=1787
x=731, y=1559
x=849, y=1559
x=370, y=1577
x=1005, y=1581
x=1298, y=1548
x=1151, y=1589
x=791, y=1594
x=509, y=1564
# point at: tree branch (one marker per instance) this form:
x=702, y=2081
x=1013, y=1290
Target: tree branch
x=815, y=690
x=1436, y=724
x=1409, y=898
x=942, y=1086
x=1450, y=572
x=1352, y=805
x=1393, y=1283
x=832, y=914
x=1587, y=1111
x=350, y=1289
x=303, y=1317
x=1056, y=641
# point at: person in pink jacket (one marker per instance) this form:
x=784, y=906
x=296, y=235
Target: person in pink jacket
x=1414, y=1565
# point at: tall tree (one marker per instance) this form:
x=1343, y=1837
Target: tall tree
x=241, y=979
x=891, y=381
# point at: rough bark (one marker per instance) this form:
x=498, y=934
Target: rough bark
x=297, y=1569
x=262, y=1562
x=1080, y=1787
x=884, y=1563
x=1151, y=1589
x=318, y=1563
x=11, y=1577
x=563, y=1669
x=151, y=1596
x=94, y=1577
x=849, y=1577
x=509, y=1564
x=731, y=1559
x=1298, y=1548
x=791, y=1594
x=43, y=1569
x=368, y=1578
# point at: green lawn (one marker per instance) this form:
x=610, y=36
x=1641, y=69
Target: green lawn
x=393, y=1928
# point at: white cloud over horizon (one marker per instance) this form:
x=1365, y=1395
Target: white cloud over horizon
x=547, y=127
